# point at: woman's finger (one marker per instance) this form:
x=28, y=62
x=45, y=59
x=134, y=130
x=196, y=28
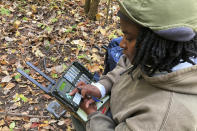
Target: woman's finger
x=89, y=102
x=74, y=91
x=81, y=83
x=84, y=92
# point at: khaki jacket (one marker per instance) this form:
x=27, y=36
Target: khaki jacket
x=161, y=103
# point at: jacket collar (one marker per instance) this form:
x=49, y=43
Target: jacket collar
x=182, y=81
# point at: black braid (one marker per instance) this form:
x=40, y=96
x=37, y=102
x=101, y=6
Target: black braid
x=154, y=53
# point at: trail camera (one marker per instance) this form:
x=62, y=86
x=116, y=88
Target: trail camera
x=61, y=89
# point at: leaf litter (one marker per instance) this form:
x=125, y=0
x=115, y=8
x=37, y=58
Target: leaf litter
x=51, y=34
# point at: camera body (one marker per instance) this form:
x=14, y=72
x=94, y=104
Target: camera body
x=74, y=74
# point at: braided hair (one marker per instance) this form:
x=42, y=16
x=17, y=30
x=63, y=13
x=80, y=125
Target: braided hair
x=154, y=53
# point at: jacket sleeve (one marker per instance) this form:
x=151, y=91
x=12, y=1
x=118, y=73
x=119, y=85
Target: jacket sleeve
x=100, y=122
x=111, y=77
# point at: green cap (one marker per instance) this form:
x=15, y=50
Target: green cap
x=161, y=14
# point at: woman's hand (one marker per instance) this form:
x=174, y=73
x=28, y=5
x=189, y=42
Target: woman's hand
x=86, y=89
x=88, y=105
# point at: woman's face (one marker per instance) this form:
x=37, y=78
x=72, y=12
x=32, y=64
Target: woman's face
x=130, y=31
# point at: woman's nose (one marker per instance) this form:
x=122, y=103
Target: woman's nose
x=122, y=43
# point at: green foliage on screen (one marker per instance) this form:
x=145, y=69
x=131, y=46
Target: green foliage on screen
x=62, y=86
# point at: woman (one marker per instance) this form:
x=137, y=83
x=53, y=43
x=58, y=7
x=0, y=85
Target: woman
x=158, y=90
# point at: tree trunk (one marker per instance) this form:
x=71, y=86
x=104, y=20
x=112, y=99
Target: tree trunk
x=93, y=9
x=108, y=7
x=87, y=6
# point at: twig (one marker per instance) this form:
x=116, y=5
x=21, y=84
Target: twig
x=22, y=115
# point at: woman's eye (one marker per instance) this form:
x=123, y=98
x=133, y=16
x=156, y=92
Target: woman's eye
x=129, y=39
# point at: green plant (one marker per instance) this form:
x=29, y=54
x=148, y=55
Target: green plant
x=5, y=11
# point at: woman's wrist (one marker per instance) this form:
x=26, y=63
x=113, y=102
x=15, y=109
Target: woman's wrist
x=89, y=112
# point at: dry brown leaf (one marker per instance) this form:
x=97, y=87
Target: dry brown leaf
x=68, y=128
x=11, y=118
x=5, y=128
x=2, y=122
x=99, y=16
x=43, y=125
x=9, y=86
x=93, y=68
x=94, y=50
x=58, y=69
x=103, y=31
x=46, y=96
x=5, y=72
x=60, y=123
x=34, y=8
x=33, y=101
x=27, y=126
x=2, y=84
x=3, y=57
x=16, y=24
x=3, y=62
x=17, y=34
x=52, y=121
x=95, y=57
x=82, y=2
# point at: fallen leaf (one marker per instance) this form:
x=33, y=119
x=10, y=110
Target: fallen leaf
x=5, y=72
x=38, y=53
x=65, y=58
x=2, y=122
x=16, y=24
x=93, y=67
x=103, y=31
x=17, y=34
x=47, y=96
x=95, y=57
x=6, y=79
x=34, y=120
x=54, y=75
x=5, y=128
x=99, y=16
x=68, y=128
x=34, y=124
x=25, y=99
x=17, y=77
x=60, y=123
x=12, y=125
x=43, y=125
x=94, y=50
x=8, y=39
x=52, y=121
x=3, y=62
x=9, y=86
x=27, y=126
x=13, y=118
x=16, y=97
x=15, y=106
x=80, y=43
x=34, y=8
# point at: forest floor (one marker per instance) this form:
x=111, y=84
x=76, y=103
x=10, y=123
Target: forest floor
x=51, y=34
